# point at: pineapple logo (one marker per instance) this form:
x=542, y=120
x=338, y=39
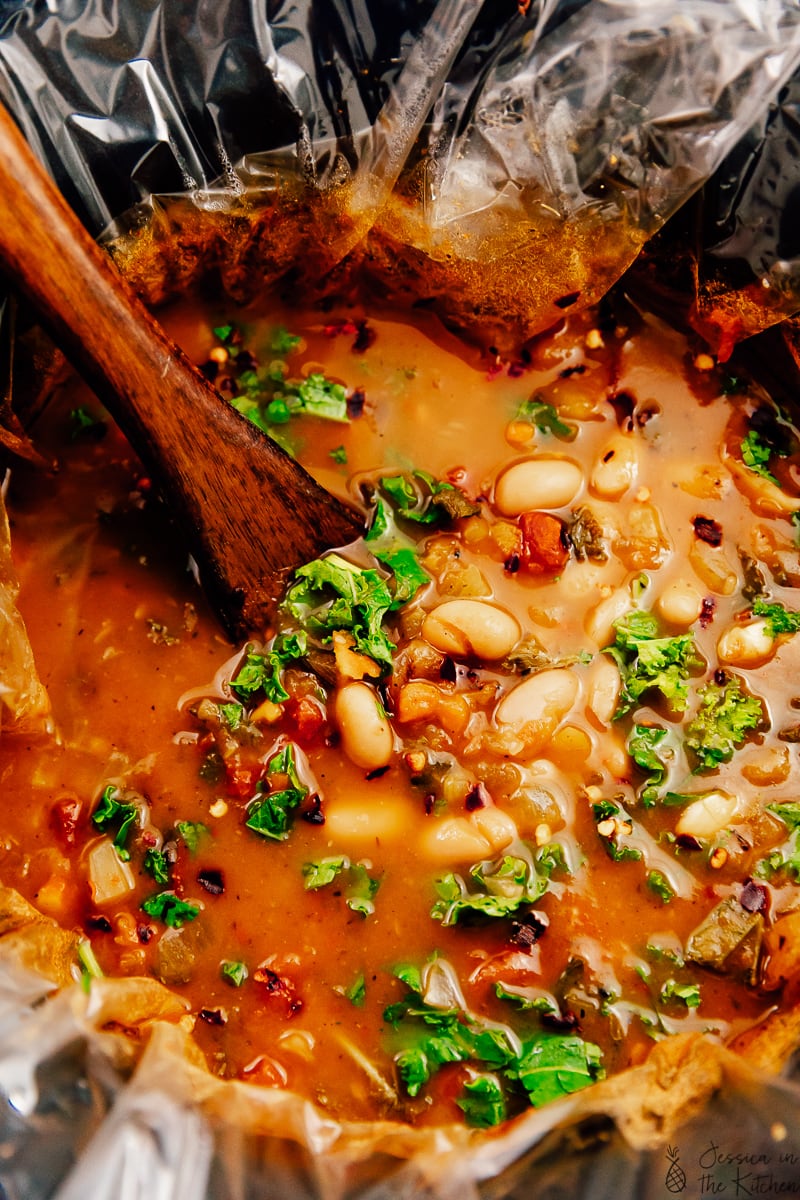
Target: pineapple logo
x=676, y=1176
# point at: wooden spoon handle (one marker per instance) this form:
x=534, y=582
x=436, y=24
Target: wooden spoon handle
x=250, y=512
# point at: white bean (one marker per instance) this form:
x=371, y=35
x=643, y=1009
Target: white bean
x=351, y=824
x=599, y=622
x=709, y=814
x=473, y=627
x=603, y=690
x=454, y=840
x=367, y=737
x=496, y=826
x=680, y=603
x=616, y=469
x=537, y=483
x=746, y=645
x=547, y=695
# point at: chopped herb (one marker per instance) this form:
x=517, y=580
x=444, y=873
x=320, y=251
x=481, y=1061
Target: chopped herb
x=501, y=889
x=272, y=816
x=756, y=454
x=166, y=907
x=192, y=834
x=648, y=662
x=527, y=999
x=261, y=673
x=650, y=747
x=660, y=886
x=789, y=813
x=425, y=500
x=482, y=1102
x=686, y=993
x=357, y=992
x=232, y=714
x=332, y=593
x=725, y=717
x=612, y=824
x=284, y=342
x=320, y=874
x=547, y=1066
x=90, y=967
x=223, y=332
x=779, y=619
x=546, y=419
x=339, y=455
x=157, y=865
x=233, y=972
x=111, y=812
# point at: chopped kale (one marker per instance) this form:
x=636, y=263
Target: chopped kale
x=651, y=748
x=192, y=834
x=482, y=1102
x=156, y=864
x=233, y=972
x=756, y=454
x=585, y=535
x=166, y=907
x=502, y=887
x=779, y=620
x=546, y=1065
x=113, y=813
x=660, y=886
x=648, y=662
x=684, y=993
x=283, y=342
x=722, y=722
x=546, y=419
x=332, y=593
x=261, y=673
x=789, y=813
x=419, y=497
x=339, y=455
x=359, y=887
x=356, y=993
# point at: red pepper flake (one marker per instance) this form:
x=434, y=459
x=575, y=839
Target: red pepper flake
x=213, y=1016
x=145, y=933
x=343, y=327
x=212, y=880
x=376, y=773
x=278, y=987
x=477, y=797
x=568, y=300
x=707, y=530
x=707, y=610
x=512, y=564
x=365, y=337
x=624, y=406
x=429, y=803
x=64, y=817
x=753, y=896
x=687, y=841
x=516, y=369
x=526, y=930
x=562, y=1022
x=544, y=546
x=568, y=372
x=98, y=923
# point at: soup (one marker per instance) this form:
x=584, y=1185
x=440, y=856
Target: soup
x=508, y=792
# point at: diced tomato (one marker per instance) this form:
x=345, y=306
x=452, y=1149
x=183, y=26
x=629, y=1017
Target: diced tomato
x=240, y=780
x=64, y=817
x=306, y=718
x=544, y=548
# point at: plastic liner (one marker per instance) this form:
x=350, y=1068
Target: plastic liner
x=538, y=150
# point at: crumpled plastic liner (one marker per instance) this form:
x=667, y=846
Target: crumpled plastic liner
x=617, y=106
x=76, y=1122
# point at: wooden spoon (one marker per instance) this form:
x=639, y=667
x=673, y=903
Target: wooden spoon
x=249, y=512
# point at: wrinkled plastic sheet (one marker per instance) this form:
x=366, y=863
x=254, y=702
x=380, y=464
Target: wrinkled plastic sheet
x=621, y=108
x=75, y=1121
x=580, y=114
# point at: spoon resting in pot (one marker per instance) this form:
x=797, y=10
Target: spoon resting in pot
x=250, y=514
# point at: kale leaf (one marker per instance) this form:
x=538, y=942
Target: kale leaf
x=725, y=717
x=649, y=662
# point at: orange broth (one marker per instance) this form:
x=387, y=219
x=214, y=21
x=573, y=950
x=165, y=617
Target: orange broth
x=127, y=649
